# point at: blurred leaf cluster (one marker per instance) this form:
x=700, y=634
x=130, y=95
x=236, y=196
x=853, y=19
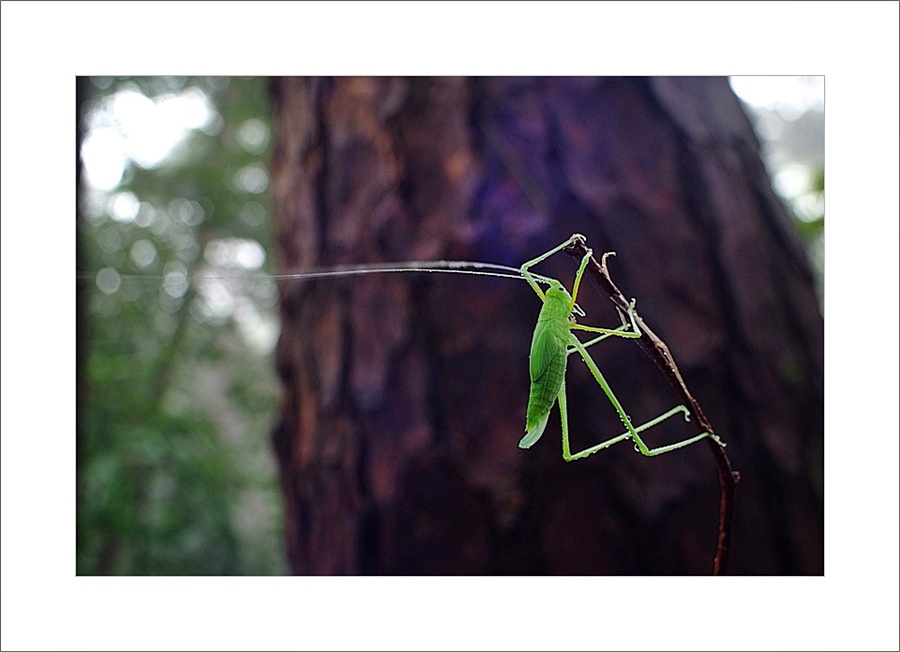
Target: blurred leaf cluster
x=175, y=471
x=793, y=147
x=810, y=212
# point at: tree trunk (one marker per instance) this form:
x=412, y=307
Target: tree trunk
x=404, y=394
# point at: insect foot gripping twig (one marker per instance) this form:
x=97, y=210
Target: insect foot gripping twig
x=659, y=353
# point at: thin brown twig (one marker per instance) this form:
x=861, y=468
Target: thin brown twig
x=659, y=353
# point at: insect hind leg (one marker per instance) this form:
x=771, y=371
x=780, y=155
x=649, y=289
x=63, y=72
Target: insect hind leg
x=631, y=432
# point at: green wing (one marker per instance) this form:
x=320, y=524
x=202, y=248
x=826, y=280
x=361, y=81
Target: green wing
x=543, y=348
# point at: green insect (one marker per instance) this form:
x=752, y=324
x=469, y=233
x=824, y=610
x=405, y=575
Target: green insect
x=551, y=345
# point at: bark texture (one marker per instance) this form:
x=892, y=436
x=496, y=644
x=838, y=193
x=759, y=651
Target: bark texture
x=404, y=395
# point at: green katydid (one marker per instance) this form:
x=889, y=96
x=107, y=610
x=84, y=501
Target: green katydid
x=551, y=345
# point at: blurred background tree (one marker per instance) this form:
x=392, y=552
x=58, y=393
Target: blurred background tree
x=176, y=328
x=404, y=398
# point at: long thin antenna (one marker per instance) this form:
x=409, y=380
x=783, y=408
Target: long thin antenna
x=431, y=266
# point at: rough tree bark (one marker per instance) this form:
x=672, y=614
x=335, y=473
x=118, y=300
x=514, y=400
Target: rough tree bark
x=404, y=395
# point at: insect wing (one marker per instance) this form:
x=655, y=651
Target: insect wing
x=543, y=349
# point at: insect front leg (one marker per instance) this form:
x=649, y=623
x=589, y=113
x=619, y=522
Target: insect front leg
x=534, y=261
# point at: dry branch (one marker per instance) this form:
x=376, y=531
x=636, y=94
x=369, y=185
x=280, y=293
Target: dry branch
x=659, y=353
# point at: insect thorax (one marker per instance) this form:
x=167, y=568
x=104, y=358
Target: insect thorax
x=556, y=304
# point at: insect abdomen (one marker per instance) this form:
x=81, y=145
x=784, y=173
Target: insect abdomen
x=545, y=390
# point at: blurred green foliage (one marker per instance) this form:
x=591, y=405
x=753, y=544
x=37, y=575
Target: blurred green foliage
x=791, y=131
x=175, y=471
x=808, y=209
x=812, y=222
